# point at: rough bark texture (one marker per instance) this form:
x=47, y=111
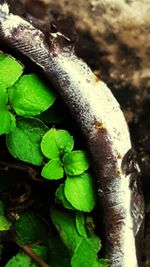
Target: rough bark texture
x=114, y=39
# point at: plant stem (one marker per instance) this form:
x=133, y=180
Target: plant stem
x=23, y=167
x=39, y=261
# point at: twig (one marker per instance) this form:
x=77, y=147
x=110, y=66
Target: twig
x=23, y=167
x=34, y=256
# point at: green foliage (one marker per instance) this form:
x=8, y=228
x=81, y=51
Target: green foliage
x=7, y=119
x=83, y=249
x=60, y=197
x=21, y=259
x=10, y=70
x=75, y=162
x=53, y=169
x=7, y=122
x=30, y=140
x=5, y=224
x=24, y=142
x=59, y=255
x=3, y=98
x=80, y=224
x=66, y=226
x=85, y=255
x=80, y=193
x=30, y=229
x=29, y=96
x=56, y=142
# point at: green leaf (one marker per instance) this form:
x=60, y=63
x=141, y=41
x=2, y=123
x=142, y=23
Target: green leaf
x=65, y=225
x=95, y=243
x=59, y=255
x=79, y=191
x=5, y=224
x=60, y=197
x=41, y=251
x=7, y=122
x=29, y=228
x=24, y=142
x=85, y=254
x=56, y=142
x=10, y=70
x=53, y=170
x=80, y=224
x=3, y=98
x=22, y=259
x=75, y=162
x=30, y=96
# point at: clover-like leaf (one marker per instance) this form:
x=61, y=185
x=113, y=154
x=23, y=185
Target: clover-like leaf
x=65, y=225
x=56, y=142
x=60, y=197
x=7, y=122
x=76, y=162
x=80, y=193
x=53, y=170
x=30, y=96
x=29, y=228
x=5, y=224
x=24, y=142
x=10, y=70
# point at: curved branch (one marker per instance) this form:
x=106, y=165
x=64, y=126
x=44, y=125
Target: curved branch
x=38, y=260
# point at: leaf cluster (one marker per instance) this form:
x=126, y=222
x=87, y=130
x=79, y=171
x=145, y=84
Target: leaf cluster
x=82, y=244
x=77, y=191
x=28, y=112
x=22, y=95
